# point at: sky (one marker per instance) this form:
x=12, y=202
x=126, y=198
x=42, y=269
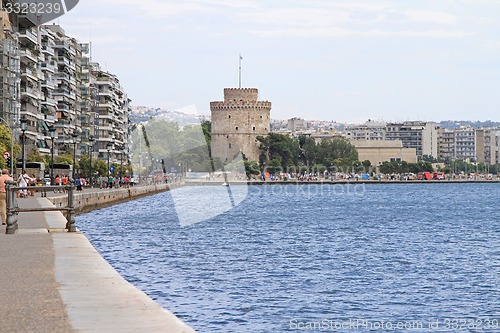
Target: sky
x=346, y=61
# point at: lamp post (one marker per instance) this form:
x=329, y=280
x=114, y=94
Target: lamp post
x=75, y=136
x=91, y=152
x=24, y=124
x=52, y=131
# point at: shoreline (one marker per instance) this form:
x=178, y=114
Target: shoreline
x=339, y=182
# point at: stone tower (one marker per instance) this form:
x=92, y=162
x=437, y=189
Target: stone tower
x=237, y=122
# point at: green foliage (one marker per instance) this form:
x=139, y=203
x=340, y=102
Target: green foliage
x=6, y=144
x=457, y=166
x=100, y=168
x=274, y=166
x=206, y=127
x=405, y=167
x=66, y=158
x=288, y=151
x=252, y=168
x=279, y=147
x=165, y=140
x=35, y=156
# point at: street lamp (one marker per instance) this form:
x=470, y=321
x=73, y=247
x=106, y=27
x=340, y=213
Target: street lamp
x=24, y=124
x=52, y=131
x=91, y=152
x=75, y=136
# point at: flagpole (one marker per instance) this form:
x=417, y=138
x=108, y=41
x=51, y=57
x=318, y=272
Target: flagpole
x=240, y=72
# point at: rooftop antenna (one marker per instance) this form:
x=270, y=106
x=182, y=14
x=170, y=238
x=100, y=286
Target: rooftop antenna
x=241, y=58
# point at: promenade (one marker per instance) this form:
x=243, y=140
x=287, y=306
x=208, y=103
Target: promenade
x=54, y=281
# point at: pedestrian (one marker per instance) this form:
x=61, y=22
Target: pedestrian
x=78, y=183
x=23, y=182
x=3, y=194
x=33, y=182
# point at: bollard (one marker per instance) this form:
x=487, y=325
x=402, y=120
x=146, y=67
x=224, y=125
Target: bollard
x=11, y=208
x=70, y=217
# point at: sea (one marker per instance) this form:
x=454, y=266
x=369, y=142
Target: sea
x=313, y=258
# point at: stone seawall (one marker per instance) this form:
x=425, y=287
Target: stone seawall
x=89, y=200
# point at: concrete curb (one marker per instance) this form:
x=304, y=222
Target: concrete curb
x=98, y=299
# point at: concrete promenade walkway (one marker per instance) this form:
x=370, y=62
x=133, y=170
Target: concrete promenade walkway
x=54, y=281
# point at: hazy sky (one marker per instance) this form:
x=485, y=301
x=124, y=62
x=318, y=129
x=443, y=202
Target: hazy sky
x=331, y=60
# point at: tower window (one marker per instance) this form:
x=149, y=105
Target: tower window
x=261, y=117
x=254, y=128
x=230, y=146
x=229, y=116
x=236, y=127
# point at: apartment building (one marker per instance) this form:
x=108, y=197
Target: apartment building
x=446, y=145
x=421, y=136
x=112, y=116
x=67, y=76
x=48, y=64
x=296, y=124
x=465, y=144
x=10, y=72
x=48, y=79
x=371, y=130
x=491, y=146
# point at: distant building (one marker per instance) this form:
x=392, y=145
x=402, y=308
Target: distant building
x=415, y=134
x=491, y=146
x=421, y=136
x=465, y=144
x=371, y=130
x=236, y=123
x=296, y=124
x=379, y=151
x=446, y=145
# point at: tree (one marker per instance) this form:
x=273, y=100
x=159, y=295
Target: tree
x=274, y=166
x=387, y=167
x=6, y=145
x=66, y=158
x=252, y=168
x=35, y=156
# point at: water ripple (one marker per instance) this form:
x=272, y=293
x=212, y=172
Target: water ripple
x=393, y=253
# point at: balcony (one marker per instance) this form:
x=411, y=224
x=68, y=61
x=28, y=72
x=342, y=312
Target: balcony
x=28, y=35
x=63, y=76
x=27, y=91
x=48, y=50
x=65, y=93
x=49, y=101
x=48, y=67
x=63, y=61
x=62, y=44
x=49, y=84
x=30, y=74
x=27, y=54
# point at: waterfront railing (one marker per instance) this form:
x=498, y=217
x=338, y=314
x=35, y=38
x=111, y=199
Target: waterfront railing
x=13, y=208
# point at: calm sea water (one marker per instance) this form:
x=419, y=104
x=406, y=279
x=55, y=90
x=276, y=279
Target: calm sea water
x=398, y=258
